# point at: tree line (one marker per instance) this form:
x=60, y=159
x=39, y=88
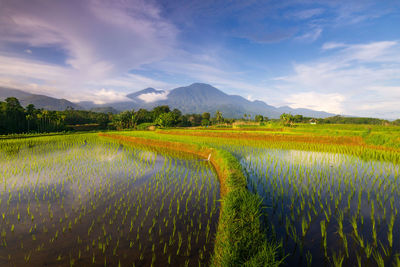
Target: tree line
x=15, y=119
x=163, y=116
x=289, y=119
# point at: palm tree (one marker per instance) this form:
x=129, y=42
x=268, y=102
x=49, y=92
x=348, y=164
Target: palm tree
x=287, y=119
x=218, y=116
x=28, y=119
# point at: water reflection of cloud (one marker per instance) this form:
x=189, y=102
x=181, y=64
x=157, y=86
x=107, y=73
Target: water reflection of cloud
x=311, y=158
x=37, y=170
x=298, y=157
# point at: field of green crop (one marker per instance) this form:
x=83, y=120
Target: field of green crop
x=80, y=200
x=328, y=204
x=329, y=195
x=328, y=209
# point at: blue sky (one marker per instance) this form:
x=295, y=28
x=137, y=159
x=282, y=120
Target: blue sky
x=337, y=56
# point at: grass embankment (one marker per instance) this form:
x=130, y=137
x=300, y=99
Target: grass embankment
x=240, y=239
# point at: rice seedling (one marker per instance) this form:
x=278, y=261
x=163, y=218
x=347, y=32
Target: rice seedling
x=308, y=188
x=87, y=200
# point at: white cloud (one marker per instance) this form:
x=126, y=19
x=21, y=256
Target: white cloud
x=326, y=102
x=105, y=35
x=311, y=35
x=365, y=76
x=58, y=81
x=250, y=98
x=152, y=97
x=107, y=96
x=101, y=40
x=332, y=45
x=305, y=14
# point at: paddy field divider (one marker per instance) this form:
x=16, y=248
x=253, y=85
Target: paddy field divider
x=240, y=239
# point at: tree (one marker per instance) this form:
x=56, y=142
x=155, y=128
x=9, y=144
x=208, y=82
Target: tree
x=157, y=111
x=194, y=119
x=205, y=122
x=206, y=116
x=298, y=118
x=30, y=109
x=166, y=119
x=177, y=115
x=205, y=119
x=218, y=116
x=142, y=115
x=286, y=119
x=15, y=116
x=259, y=118
x=125, y=120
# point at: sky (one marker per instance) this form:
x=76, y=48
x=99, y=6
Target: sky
x=337, y=56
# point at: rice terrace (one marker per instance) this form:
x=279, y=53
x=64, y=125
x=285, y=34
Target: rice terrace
x=161, y=197
x=199, y=133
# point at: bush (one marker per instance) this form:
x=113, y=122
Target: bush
x=144, y=126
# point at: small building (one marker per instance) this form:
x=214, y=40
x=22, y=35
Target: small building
x=313, y=121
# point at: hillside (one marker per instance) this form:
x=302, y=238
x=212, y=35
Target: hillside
x=40, y=101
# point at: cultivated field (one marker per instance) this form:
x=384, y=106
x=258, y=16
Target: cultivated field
x=82, y=200
x=326, y=195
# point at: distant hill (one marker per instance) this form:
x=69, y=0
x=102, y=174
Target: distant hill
x=40, y=101
x=200, y=97
x=195, y=98
x=104, y=110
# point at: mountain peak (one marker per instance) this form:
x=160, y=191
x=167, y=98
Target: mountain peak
x=201, y=90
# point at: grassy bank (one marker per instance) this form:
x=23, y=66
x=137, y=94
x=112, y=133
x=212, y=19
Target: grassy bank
x=240, y=239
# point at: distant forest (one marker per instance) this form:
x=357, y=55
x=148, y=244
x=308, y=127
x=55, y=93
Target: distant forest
x=16, y=119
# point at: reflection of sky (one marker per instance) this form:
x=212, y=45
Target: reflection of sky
x=30, y=169
x=320, y=160
x=299, y=157
x=296, y=184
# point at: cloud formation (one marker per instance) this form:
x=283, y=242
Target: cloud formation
x=326, y=102
x=357, y=77
x=153, y=97
x=277, y=51
x=100, y=40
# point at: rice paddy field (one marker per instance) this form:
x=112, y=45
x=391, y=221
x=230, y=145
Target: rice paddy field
x=330, y=200
x=85, y=201
x=328, y=209
x=323, y=197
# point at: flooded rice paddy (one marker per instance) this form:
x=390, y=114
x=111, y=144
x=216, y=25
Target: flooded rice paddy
x=90, y=202
x=327, y=209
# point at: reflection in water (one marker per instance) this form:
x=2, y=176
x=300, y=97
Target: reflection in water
x=104, y=204
x=327, y=207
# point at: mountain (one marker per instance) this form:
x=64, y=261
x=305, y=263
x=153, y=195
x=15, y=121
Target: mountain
x=200, y=97
x=195, y=98
x=40, y=101
x=104, y=110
